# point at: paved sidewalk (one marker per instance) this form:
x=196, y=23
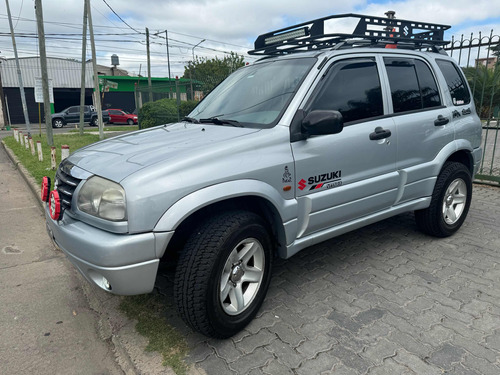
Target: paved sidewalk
x=384, y=299
x=47, y=326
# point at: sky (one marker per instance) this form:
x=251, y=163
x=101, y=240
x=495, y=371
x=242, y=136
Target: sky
x=217, y=26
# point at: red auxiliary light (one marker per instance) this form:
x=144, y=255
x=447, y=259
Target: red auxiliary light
x=45, y=189
x=54, y=205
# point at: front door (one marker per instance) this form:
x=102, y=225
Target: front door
x=345, y=176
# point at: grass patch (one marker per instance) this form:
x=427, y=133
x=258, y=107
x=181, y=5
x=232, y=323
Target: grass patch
x=108, y=129
x=39, y=169
x=147, y=309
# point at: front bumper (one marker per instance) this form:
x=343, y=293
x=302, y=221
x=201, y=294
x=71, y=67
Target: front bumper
x=118, y=263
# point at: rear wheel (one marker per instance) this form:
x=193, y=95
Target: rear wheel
x=223, y=273
x=450, y=202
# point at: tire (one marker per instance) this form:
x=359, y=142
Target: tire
x=93, y=122
x=130, y=121
x=57, y=123
x=214, y=256
x=450, y=202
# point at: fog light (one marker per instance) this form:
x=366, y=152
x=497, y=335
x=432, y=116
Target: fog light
x=45, y=189
x=54, y=205
x=106, y=283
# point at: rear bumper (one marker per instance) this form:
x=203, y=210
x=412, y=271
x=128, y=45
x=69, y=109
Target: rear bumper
x=117, y=263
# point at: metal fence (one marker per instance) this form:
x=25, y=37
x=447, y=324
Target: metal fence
x=479, y=57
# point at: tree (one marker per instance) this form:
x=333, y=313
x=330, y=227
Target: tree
x=206, y=73
x=485, y=84
x=495, y=50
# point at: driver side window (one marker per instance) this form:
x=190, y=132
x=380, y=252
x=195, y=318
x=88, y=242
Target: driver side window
x=351, y=87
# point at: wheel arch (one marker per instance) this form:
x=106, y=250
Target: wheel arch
x=464, y=157
x=187, y=213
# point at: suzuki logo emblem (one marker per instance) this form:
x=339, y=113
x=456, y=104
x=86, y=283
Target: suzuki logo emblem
x=302, y=184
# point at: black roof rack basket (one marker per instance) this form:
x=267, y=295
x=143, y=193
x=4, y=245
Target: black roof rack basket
x=370, y=30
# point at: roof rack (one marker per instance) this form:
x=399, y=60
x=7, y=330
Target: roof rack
x=371, y=31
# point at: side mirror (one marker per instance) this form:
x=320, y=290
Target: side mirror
x=322, y=122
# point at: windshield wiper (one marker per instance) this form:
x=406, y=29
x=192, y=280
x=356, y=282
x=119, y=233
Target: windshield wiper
x=190, y=119
x=221, y=121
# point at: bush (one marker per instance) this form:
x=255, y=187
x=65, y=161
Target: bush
x=187, y=107
x=163, y=111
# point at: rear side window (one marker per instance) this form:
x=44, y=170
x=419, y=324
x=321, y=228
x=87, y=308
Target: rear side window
x=351, y=87
x=413, y=86
x=455, y=81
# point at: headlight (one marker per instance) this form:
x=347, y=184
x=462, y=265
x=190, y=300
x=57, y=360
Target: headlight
x=102, y=198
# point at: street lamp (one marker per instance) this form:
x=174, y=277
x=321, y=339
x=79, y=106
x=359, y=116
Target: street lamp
x=197, y=46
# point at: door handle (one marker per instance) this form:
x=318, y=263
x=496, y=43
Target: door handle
x=440, y=121
x=380, y=133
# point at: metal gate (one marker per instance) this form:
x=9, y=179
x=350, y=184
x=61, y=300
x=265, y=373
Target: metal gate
x=479, y=57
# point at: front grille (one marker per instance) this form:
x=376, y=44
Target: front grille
x=65, y=185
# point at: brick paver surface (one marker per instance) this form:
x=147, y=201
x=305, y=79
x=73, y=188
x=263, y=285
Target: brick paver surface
x=384, y=299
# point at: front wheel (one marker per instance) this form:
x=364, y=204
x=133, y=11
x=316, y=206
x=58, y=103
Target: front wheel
x=223, y=273
x=93, y=122
x=130, y=121
x=450, y=202
x=57, y=123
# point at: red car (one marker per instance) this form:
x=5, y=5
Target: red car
x=117, y=116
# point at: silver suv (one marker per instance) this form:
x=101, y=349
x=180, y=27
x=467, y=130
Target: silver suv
x=326, y=134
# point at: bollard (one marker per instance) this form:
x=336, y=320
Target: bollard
x=64, y=152
x=26, y=141
x=21, y=138
x=53, y=158
x=39, y=149
x=32, y=145
x=16, y=134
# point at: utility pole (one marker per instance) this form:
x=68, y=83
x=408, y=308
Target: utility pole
x=19, y=75
x=168, y=62
x=43, y=68
x=84, y=67
x=168, y=55
x=190, y=76
x=97, y=96
x=3, y=103
x=150, y=89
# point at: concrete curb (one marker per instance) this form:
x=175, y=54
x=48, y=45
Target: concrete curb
x=104, y=324
x=30, y=181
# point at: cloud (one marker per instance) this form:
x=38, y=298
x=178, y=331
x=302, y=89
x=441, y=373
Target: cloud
x=227, y=25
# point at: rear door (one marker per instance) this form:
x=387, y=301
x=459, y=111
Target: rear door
x=423, y=122
x=341, y=177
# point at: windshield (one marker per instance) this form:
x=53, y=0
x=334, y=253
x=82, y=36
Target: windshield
x=254, y=96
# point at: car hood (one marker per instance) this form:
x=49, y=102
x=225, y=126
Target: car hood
x=118, y=157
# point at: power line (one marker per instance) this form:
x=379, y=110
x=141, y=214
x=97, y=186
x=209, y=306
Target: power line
x=121, y=19
x=20, y=10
